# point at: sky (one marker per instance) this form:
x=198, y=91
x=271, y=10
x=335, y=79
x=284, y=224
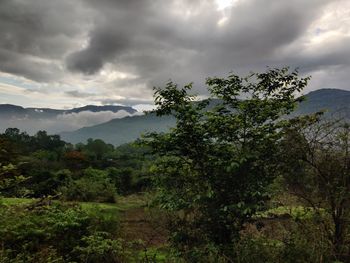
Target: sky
x=68, y=53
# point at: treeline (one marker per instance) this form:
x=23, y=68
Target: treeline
x=94, y=171
x=46, y=222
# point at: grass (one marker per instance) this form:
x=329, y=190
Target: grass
x=158, y=254
x=9, y=201
x=295, y=212
x=114, y=209
x=125, y=203
x=122, y=204
x=130, y=215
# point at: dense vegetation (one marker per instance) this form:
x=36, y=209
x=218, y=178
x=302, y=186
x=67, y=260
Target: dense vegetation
x=240, y=180
x=51, y=176
x=94, y=171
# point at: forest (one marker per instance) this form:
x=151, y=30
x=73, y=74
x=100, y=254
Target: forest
x=239, y=178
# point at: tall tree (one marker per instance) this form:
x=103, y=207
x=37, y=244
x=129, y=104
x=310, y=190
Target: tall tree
x=216, y=164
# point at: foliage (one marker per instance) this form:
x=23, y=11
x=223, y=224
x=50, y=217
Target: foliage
x=94, y=185
x=98, y=148
x=216, y=164
x=11, y=180
x=54, y=233
x=42, y=158
x=317, y=153
x=99, y=247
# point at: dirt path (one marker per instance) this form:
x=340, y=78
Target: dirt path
x=139, y=224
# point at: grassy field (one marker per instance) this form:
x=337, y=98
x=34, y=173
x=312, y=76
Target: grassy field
x=123, y=204
x=137, y=222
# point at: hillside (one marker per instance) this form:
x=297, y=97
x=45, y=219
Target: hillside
x=330, y=100
x=119, y=131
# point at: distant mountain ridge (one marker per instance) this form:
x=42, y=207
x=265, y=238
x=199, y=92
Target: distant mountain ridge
x=18, y=111
x=115, y=129
x=53, y=121
x=119, y=131
x=329, y=100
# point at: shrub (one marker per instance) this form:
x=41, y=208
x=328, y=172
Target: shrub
x=56, y=233
x=93, y=186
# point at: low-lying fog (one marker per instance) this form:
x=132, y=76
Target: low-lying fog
x=62, y=122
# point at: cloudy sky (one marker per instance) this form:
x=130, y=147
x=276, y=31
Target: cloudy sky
x=64, y=53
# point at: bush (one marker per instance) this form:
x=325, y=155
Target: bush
x=56, y=233
x=101, y=248
x=93, y=186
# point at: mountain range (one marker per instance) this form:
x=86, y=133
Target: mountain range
x=127, y=129
x=124, y=124
x=11, y=111
x=55, y=121
x=120, y=131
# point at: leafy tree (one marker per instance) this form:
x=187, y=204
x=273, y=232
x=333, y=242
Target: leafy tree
x=48, y=142
x=98, y=148
x=75, y=160
x=121, y=178
x=21, y=141
x=7, y=150
x=13, y=134
x=216, y=164
x=11, y=181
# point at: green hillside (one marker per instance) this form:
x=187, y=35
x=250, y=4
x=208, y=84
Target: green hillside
x=119, y=131
x=331, y=100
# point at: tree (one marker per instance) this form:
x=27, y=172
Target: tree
x=10, y=181
x=216, y=164
x=98, y=148
x=48, y=142
x=317, y=171
x=8, y=151
x=75, y=160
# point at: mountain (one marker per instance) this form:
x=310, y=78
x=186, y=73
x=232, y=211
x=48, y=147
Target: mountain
x=332, y=101
x=10, y=111
x=119, y=131
x=54, y=121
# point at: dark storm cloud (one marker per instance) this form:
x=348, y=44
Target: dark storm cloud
x=156, y=43
x=152, y=41
x=103, y=46
x=25, y=66
x=36, y=32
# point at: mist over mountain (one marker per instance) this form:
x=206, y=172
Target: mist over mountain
x=122, y=124
x=55, y=121
x=119, y=131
